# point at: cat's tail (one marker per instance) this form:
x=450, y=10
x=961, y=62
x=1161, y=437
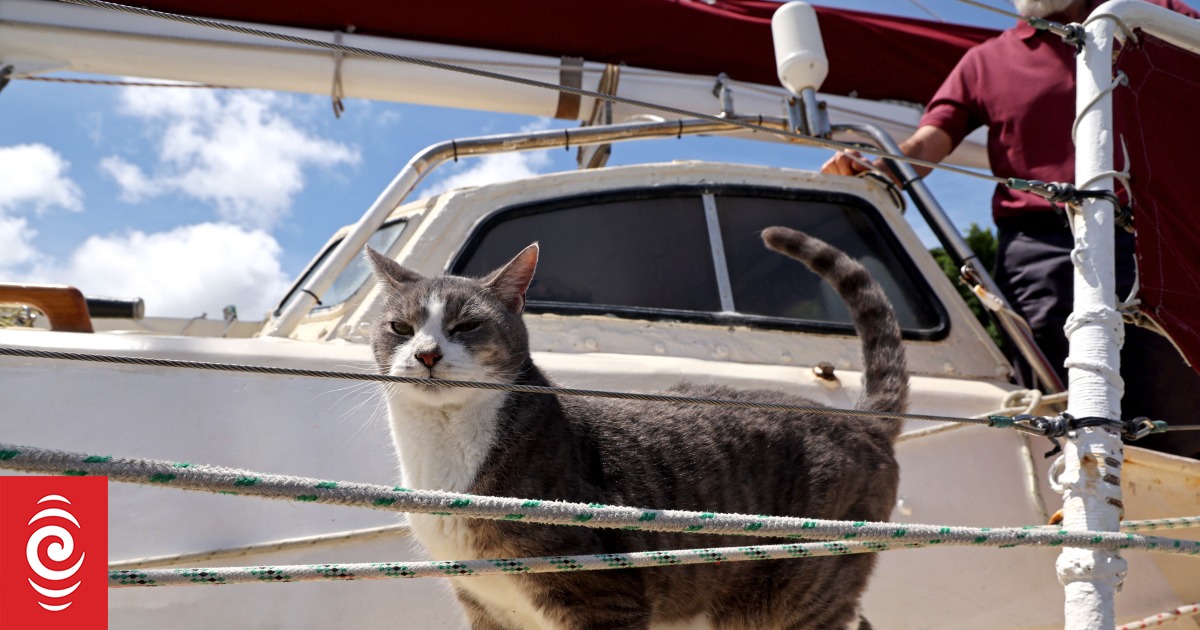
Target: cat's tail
x=885, y=375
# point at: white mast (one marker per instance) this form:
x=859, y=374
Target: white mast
x=1094, y=457
x=1091, y=479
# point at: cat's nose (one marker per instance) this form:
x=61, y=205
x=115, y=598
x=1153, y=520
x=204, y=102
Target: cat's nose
x=429, y=357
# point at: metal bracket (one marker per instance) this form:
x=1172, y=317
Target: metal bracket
x=596, y=156
x=336, y=93
x=1064, y=193
x=1142, y=426
x=722, y=91
x=807, y=115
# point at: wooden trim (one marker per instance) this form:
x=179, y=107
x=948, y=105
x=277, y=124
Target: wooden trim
x=64, y=306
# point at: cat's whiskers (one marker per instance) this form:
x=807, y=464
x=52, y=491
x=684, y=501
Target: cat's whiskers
x=376, y=395
x=684, y=456
x=367, y=393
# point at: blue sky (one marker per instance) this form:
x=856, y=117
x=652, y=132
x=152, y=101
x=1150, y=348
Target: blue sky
x=194, y=199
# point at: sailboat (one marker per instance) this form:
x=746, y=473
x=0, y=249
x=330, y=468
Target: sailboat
x=625, y=332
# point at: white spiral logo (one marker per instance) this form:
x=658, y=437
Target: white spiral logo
x=59, y=551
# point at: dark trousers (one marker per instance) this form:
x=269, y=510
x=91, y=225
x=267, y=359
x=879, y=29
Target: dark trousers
x=1033, y=268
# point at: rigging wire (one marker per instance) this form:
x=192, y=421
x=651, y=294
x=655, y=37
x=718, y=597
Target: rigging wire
x=988, y=7
x=119, y=83
x=487, y=74
x=1071, y=33
x=930, y=12
x=1024, y=423
x=992, y=421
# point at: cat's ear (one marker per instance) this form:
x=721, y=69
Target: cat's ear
x=510, y=282
x=389, y=271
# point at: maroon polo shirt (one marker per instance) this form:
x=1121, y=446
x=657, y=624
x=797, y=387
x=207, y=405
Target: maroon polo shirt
x=1021, y=84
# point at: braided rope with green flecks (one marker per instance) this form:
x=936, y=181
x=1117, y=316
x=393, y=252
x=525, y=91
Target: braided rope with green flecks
x=1179, y=522
x=498, y=566
x=309, y=542
x=396, y=499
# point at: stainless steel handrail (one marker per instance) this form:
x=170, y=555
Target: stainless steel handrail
x=302, y=300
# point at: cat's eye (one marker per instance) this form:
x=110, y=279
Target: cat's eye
x=403, y=329
x=463, y=327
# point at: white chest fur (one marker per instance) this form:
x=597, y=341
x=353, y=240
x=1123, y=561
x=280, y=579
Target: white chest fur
x=443, y=450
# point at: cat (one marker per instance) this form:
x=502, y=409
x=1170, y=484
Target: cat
x=654, y=455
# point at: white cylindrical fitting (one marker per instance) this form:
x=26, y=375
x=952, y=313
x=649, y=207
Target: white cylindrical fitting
x=799, y=50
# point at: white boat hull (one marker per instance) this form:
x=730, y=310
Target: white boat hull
x=335, y=430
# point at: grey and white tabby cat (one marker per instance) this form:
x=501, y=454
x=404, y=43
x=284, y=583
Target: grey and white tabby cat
x=629, y=453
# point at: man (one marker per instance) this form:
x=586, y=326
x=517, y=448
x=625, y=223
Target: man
x=1021, y=85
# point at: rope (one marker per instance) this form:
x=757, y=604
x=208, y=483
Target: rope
x=1163, y=618
x=306, y=542
x=1129, y=33
x=397, y=499
x=487, y=74
x=1184, y=522
x=499, y=566
x=1012, y=405
x=1120, y=80
x=512, y=387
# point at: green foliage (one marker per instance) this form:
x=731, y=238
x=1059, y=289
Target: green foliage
x=983, y=242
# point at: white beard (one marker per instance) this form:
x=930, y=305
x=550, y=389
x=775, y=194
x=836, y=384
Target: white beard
x=1041, y=8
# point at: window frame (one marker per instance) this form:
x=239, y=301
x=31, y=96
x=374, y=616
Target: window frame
x=323, y=309
x=725, y=318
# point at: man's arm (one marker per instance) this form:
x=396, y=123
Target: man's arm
x=928, y=143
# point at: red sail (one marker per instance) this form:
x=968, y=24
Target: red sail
x=1161, y=142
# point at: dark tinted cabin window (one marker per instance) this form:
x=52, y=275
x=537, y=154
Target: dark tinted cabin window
x=649, y=254
x=637, y=253
x=767, y=284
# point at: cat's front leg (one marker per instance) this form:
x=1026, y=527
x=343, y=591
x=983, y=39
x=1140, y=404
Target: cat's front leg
x=601, y=600
x=477, y=615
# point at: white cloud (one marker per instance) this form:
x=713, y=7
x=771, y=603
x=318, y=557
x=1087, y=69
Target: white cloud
x=238, y=151
x=15, y=242
x=184, y=272
x=494, y=168
x=35, y=177
x=134, y=184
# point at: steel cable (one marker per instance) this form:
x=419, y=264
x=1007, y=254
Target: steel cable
x=511, y=387
x=487, y=74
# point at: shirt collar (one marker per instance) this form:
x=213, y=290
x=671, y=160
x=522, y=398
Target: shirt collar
x=1024, y=31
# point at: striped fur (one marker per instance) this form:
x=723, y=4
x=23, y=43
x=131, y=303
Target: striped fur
x=663, y=456
x=885, y=373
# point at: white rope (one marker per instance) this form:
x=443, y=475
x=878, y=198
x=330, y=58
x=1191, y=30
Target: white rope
x=1128, y=32
x=1097, y=315
x=497, y=566
x=1121, y=79
x=1020, y=401
x=287, y=544
x=187, y=476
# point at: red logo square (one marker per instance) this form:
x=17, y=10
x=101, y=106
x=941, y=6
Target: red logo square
x=53, y=553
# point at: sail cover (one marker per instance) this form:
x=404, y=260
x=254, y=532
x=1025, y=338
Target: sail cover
x=1165, y=191
x=870, y=56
